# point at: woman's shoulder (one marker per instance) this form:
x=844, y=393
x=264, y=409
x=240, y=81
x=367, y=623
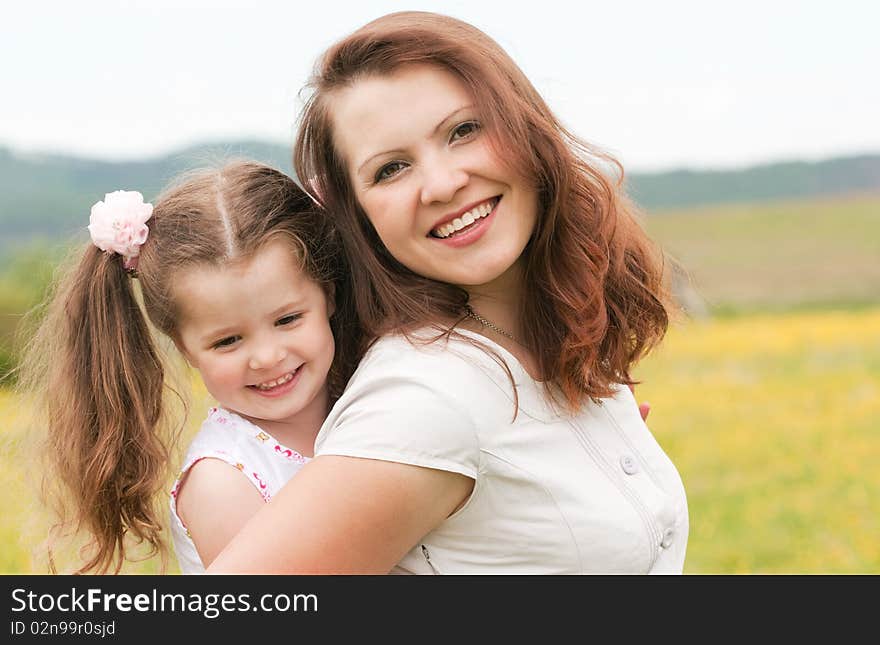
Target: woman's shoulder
x=411, y=402
x=456, y=363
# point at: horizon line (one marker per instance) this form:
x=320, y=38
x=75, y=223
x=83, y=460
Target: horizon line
x=631, y=170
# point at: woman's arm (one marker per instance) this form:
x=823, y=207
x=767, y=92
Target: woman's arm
x=344, y=515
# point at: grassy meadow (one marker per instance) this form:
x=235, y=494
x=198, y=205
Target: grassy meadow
x=778, y=256
x=768, y=406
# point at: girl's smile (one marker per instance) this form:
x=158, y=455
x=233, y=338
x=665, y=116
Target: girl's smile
x=279, y=386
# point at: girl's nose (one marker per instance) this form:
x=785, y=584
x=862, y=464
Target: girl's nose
x=267, y=357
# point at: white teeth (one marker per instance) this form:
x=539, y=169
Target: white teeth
x=270, y=384
x=477, y=212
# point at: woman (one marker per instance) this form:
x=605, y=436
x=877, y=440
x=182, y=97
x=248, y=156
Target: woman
x=507, y=290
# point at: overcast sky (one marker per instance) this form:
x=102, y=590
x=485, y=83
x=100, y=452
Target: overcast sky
x=661, y=84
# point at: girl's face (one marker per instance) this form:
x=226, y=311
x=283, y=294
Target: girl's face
x=426, y=176
x=259, y=334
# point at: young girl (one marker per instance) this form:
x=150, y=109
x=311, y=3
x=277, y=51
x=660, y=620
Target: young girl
x=236, y=267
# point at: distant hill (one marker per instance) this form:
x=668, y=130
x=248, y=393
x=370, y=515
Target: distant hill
x=785, y=180
x=50, y=195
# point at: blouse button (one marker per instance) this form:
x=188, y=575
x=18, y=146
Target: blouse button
x=629, y=465
x=668, y=534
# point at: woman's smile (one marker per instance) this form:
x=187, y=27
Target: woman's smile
x=464, y=221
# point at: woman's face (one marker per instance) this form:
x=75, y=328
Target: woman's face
x=426, y=176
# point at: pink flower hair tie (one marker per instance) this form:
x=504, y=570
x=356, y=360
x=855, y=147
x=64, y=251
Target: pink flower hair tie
x=119, y=225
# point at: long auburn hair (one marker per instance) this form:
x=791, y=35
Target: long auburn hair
x=595, y=298
x=98, y=375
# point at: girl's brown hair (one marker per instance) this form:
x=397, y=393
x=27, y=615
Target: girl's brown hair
x=594, y=300
x=97, y=372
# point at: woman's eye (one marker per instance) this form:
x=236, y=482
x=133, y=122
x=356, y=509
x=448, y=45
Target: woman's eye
x=286, y=320
x=464, y=130
x=389, y=170
x=226, y=342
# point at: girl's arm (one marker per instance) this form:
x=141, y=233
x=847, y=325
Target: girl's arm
x=344, y=515
x=214, y=502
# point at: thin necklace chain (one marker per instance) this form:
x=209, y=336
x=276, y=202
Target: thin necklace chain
x=473, y=314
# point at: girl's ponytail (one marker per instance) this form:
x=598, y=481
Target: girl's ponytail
x=98, y=379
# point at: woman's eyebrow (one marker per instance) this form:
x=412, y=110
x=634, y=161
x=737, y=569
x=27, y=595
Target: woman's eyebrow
x=449, y=117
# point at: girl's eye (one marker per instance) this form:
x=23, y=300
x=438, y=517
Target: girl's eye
x=464, y=130
x=286, y=320
x=226, y=342
x=389, y=170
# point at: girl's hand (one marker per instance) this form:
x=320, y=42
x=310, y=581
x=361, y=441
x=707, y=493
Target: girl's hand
x=644, y=408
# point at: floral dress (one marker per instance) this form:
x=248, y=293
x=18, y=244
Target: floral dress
x=265, y=462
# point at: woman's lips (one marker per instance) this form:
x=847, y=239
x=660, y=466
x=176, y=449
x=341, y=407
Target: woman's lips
x=463, y=221
x=471, y=233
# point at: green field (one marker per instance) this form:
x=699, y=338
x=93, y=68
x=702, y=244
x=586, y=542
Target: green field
x=779, y=255
x=771, y=414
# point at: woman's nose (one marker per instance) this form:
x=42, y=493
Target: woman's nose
x=441, y=180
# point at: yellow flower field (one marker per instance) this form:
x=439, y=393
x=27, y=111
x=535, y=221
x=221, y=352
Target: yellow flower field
x=772, y=421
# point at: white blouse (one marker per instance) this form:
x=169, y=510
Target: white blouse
x=554, y=493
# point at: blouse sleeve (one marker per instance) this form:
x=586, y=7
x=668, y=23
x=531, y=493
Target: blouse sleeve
x=404, y=406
